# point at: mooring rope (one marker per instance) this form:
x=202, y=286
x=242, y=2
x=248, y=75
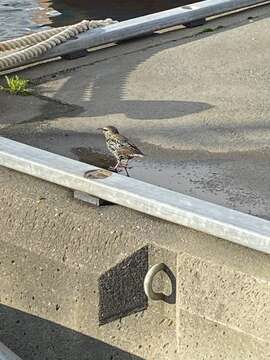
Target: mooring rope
x=29, y=40
x=31, y=46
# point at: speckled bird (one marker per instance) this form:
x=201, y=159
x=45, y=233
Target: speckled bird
x=121, y=148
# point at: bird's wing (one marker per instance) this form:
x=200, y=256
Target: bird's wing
x=128, y=146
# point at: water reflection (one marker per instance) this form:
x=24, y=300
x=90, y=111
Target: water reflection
x=116, y=9
x=19, y=17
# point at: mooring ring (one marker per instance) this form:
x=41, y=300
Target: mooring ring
x=148, y=283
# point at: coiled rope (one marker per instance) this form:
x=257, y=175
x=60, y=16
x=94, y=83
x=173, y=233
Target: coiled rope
x=31, y=46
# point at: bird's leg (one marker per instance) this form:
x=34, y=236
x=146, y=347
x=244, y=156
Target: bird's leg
x=126, y=168
x=116, y=166
x=126, y=165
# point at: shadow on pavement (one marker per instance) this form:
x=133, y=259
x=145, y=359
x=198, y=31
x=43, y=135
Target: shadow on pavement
x=34, y=338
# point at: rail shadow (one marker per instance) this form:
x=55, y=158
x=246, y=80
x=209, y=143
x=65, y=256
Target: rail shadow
x=105, y=87
x=101, y=89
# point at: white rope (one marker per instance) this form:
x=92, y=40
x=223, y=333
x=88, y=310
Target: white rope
x=34, y=45
x=29, y=40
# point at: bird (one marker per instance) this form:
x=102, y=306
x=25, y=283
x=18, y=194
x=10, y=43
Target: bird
x=121, y=148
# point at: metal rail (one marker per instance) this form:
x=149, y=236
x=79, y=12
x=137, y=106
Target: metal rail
x=200, y=215
x=6, y=354
x=146, y=24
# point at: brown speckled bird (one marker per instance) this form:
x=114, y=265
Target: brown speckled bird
x=120, y=146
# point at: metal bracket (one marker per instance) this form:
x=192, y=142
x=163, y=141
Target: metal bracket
x=195, y=23
x=82, y=196
x=75, y=55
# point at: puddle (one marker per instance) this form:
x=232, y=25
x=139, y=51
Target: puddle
x=89, y=156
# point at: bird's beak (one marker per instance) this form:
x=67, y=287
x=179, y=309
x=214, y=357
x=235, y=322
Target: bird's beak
x=99, y=129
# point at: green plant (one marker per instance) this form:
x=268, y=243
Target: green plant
x=207, y=30
x=16, y=85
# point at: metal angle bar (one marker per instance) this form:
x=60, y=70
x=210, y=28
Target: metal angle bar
x=6, y=354
x=146, y=24
x=168, y=205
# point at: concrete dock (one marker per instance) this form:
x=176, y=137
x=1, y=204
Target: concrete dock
x=196, y=101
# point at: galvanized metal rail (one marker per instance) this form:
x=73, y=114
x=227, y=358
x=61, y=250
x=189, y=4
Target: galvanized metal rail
x=146, y=24
x=200, y=215
x=6, y=354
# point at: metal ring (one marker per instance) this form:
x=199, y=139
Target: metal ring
x=148, y=283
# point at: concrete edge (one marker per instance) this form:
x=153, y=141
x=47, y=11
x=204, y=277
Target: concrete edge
x=184, y=210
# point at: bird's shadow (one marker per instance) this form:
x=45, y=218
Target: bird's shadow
x=94, y=158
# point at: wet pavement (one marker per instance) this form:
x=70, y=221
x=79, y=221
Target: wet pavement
x=235, y=180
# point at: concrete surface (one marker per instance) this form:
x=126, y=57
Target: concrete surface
x=201, y=339
x=54, y=249
x=197, y=104
x=29, y=108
